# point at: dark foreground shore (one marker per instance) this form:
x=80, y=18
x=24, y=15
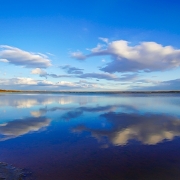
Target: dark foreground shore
x=8, y=172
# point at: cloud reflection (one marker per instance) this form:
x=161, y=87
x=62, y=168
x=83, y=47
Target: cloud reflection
x=71, y=115
x=149, y=129
x=30, y=100
x=20, y=127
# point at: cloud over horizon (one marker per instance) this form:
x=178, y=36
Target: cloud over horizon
x=146, y=56
x=108, y=76
x=78, y=73
x=23, y=58
x=22, y=83
x=169, y=85
x=125, y=69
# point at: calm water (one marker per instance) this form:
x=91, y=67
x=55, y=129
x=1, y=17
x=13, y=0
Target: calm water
x=92, y=137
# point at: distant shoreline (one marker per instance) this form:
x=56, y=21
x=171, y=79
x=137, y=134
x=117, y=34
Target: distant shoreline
x=93, y=92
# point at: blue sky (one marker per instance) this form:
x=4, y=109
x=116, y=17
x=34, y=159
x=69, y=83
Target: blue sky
x=90, y=45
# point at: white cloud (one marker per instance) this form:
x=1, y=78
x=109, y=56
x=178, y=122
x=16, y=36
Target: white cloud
x=96, y=49
x=32, y=84
x=43, y=73
x=21, y=81
x=20, y=57
x=146, y=56
x=108, y=76
x=78, y=73
x=106, y=40
x=38, y=71
x=65, y=83
x=78, y=85
x=4, y=60
x=78, y=55
x=18, y=81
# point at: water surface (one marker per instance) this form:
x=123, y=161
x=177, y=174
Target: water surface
x=92, y=136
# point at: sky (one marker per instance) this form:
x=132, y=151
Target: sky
x=102, y=45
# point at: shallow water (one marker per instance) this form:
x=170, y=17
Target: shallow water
x=92, y=136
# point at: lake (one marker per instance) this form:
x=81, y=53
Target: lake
x=92, y=136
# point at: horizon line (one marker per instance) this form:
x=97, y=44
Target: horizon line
x=98, y=91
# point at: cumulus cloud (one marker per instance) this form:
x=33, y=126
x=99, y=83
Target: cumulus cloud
x=39, y=72
x=20, y=57
x=78, y=55
x=18, y=81
x=78, y=73
x=149, y=129
x=43, y=73
x=21, y=81
x=20, y=127
x=78, y=85
x=66, y=83
x=72, y=70
x=4, y=60
x=146, y=56
x=160, y=85
x=56, y=75
x=108, y=76
x=32, y=84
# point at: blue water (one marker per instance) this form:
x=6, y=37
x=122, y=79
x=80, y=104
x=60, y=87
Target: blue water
x=92, y=136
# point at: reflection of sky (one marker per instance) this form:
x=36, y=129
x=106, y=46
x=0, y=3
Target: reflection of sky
x=18, y=127
x=90, y=109
x=30, y=100
x=156, y=103
x=149, y=129
x=54, y=131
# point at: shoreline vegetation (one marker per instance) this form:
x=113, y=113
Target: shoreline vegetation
x=98, y=92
